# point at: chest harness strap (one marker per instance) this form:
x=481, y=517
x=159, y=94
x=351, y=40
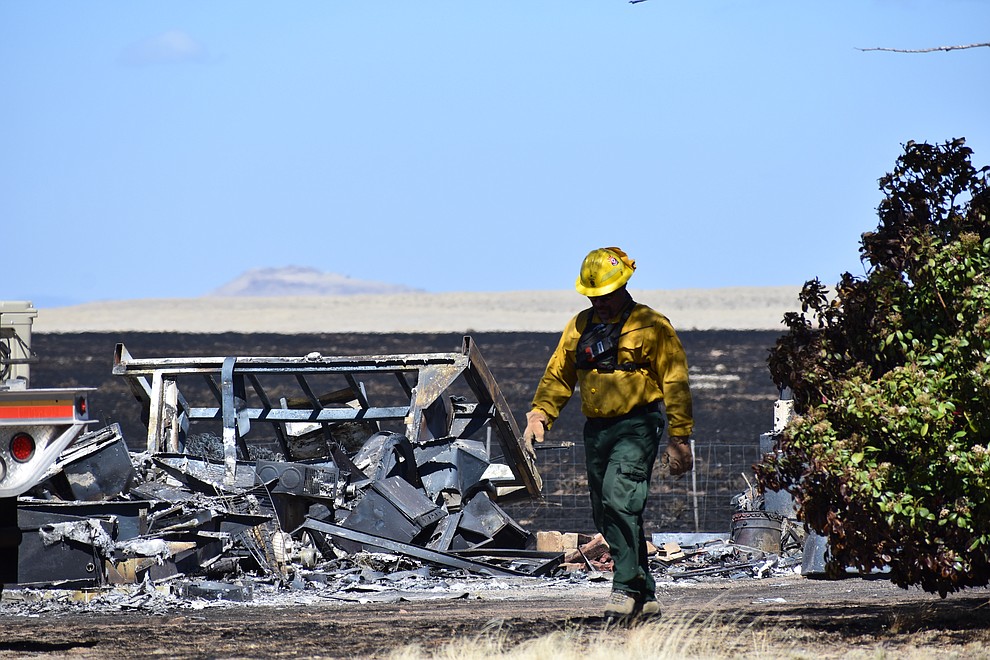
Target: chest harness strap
x=598, y=346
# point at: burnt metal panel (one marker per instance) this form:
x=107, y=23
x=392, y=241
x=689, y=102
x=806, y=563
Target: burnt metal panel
x=67, y=562
x=535, y=562
x=411, y=501
x=386, y=455
x=376, y=514
x=204, y=475
x=443, y=535
x=425, y=554
x=131, y=516
x=433, y=381
x=96, y=467
x=483, y=384
x=482, y=517
x=394, y=509
x=814, y=560
x=453, y=466
x=211, y=590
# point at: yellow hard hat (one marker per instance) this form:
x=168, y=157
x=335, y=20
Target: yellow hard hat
x=603, y=271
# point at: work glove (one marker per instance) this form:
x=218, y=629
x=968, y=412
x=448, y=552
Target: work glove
x=536, y=427
x=677, y=456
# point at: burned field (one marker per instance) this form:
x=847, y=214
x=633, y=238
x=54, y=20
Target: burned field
x=304, y=604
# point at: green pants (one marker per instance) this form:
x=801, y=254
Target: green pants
x=620, y=455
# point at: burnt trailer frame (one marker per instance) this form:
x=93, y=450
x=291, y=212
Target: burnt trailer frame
x=430, y=411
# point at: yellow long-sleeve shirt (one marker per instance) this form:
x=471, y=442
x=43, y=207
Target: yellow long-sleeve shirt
x=647, y=338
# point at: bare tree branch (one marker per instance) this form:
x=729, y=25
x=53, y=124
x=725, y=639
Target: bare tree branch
x=927, y=50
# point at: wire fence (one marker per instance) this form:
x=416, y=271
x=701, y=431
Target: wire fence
x=699, y=501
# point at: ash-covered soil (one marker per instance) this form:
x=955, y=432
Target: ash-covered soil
x=780, y=617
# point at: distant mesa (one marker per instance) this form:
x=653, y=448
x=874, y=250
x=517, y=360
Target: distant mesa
x=297, y=281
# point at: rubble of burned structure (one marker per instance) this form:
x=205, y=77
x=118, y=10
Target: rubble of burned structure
x=107, y=516
x=325, y=480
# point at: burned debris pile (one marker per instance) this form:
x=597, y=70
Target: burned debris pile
x=335, y=471
x=105, y=515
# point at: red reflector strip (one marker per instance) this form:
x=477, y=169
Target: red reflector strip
x=37, y=410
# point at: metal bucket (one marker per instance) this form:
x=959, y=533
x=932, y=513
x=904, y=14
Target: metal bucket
x=757, y=529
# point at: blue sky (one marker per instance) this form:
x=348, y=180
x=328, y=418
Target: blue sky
x=160, y=149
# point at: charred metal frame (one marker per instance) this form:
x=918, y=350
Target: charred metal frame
x=424, y=377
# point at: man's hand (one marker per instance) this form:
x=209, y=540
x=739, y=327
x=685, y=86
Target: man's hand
x=536, y=428
x=677, y=455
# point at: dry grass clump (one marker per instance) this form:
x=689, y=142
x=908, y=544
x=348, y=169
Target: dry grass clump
x=690, y=638
x=666, y=639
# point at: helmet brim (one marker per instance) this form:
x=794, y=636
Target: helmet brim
x=604, y=290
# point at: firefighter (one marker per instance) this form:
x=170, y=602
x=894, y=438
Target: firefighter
x=628, y=362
